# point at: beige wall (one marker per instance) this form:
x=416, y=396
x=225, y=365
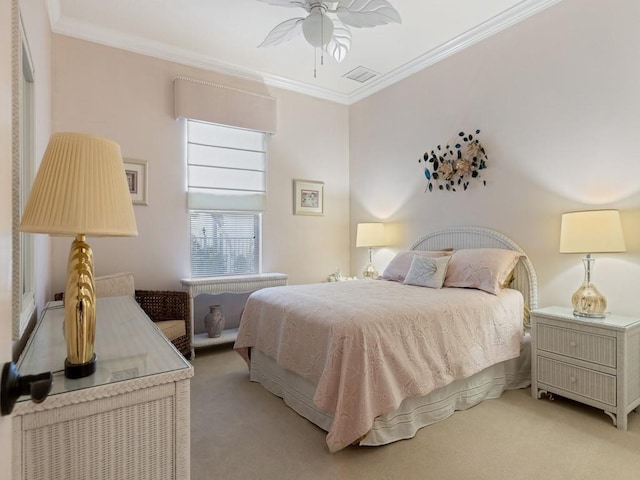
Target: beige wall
x=555, y=97
x=557, y=100
x=129, y=98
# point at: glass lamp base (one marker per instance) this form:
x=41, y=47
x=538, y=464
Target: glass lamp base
x=370, y=272
x=589, y=302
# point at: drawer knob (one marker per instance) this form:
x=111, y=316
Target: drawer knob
x=573, y=344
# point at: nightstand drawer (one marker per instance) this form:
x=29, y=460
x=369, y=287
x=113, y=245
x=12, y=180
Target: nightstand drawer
x=581, y=381
x=590, y=347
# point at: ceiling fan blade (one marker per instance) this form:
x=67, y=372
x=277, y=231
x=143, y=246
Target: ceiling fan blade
x=367, y=13
x=290, y=3
x=340, y=43
x=283, y=32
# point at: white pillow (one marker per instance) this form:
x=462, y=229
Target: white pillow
x=399, y=266
x=115, y=285
x=427, y=272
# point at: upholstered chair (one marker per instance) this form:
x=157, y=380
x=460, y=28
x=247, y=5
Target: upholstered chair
x=169, y=310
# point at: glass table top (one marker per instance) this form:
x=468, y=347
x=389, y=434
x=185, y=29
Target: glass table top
x=128, y=345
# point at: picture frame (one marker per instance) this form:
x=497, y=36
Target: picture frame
x=308, y=197
x=137, y=172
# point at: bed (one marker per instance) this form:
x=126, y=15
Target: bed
x=373, y=361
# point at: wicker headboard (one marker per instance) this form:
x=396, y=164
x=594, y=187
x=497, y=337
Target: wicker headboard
x=478, y=237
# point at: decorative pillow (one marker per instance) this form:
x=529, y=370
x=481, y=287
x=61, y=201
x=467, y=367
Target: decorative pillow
x=399, y=266
x=482, y=268
x=115, y=285
x=427, y=272
x=172, y=329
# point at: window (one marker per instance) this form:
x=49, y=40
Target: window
x=226, y=174
x=23, y=246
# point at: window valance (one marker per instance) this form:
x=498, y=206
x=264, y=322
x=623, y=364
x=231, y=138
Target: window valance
x=223, y=105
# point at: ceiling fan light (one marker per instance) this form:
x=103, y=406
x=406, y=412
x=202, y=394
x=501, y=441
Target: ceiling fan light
x=317, y=28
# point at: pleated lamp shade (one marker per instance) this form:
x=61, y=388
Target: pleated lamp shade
x=80, y=188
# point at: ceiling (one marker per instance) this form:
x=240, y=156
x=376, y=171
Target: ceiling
x=223, y=35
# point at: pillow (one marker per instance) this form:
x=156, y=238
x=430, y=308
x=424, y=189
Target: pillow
x=427, y=272
x=172, y=329
x=399, y=266
x=482, y=268
x=510, y=278
x=115, y=285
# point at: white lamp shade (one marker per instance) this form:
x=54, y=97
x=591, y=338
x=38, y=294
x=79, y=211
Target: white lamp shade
x=595, y=231
x=80, y=188
x=370, y=235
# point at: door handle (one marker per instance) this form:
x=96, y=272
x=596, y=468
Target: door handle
x=13, y=386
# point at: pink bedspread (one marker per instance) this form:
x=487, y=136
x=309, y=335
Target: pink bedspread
x=369, y=344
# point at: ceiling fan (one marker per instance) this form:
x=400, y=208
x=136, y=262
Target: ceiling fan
x=331, y=34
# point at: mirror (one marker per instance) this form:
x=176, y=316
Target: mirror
x=22, y=148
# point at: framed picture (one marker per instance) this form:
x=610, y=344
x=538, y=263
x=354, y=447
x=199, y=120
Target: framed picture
x=137, y=174
x=308, y=197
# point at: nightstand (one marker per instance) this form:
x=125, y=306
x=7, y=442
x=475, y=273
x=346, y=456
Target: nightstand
x=592, y=361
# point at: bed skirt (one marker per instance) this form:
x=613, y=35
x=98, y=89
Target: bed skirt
x=413, y=413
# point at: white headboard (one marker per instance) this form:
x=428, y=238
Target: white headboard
x=478, y=237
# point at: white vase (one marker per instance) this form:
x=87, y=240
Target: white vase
x=214, y=321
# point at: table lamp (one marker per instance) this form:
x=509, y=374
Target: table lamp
x=596, y=231
x=370, y=235
x=80, y=189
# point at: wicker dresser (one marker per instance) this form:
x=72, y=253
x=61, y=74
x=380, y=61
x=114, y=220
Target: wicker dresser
x=593, y=361
x=130, y=419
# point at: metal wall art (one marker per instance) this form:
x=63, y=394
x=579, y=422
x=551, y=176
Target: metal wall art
x=453, y=166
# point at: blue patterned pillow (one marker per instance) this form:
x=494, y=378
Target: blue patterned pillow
x=427, y=272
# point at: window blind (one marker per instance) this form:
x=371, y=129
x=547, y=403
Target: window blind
x=226, y=168
x=225, y=243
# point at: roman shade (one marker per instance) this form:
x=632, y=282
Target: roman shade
x=223, y=105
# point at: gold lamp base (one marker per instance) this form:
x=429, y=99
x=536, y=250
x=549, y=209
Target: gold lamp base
x=80, y=311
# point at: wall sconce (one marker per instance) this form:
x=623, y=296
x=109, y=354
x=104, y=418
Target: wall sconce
x=596, y=231
x=370, y=235
x=80, y=189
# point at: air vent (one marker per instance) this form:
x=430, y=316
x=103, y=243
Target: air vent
x=361, y=74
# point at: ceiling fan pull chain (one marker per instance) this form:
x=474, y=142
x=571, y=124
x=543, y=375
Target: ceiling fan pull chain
x=322, y=40
x=315, y=56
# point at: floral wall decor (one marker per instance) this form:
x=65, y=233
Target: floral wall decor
x=452, y=167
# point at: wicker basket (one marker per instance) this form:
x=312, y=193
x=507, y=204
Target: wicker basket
x=162, y=305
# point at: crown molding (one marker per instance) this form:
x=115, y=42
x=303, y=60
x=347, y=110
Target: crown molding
x=86, y=31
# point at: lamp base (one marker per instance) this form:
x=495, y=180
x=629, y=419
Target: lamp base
x=80, y=370
x=80, y=311
x=589, y=302
x=370, y=272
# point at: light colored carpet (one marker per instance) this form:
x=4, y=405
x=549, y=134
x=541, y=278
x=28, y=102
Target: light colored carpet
x=241, y=431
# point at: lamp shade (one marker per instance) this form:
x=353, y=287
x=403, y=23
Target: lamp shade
x=591, y=232
x=370, y=235
x=80, y=188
